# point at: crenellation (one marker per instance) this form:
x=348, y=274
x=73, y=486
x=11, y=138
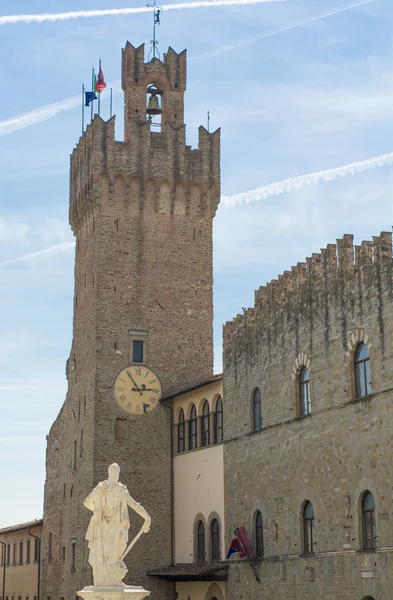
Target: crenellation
x=299, y=291
x=366, y=253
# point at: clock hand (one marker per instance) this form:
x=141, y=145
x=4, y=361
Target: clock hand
x=133, y=381
x=145, y=389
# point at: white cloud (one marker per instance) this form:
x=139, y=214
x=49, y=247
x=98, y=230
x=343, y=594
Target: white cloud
x=14, y=232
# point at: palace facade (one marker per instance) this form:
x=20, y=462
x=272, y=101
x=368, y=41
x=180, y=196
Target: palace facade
x=293, y=441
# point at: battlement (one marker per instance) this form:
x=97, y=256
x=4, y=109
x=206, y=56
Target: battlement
x=341, y=273
x=161, y=170
x=171, y=70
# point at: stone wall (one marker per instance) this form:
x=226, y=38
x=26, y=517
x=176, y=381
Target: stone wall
x=314, y=316
x=141, y=211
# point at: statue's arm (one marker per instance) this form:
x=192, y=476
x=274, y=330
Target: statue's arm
x=89, y=502
x=138, y=508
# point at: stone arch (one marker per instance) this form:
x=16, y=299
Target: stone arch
x=370, y=589
x=365, y=485
x=187, y=410
x=214, y=591
x=256, y=506
x=356, y=337
x=157, y=79
x=177, y=414
x=201, y=404
x=208, y=542
x=301, y=361
x=213, y=404
x=199, y=518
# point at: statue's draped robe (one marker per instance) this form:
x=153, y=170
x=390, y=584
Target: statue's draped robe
x=107, y=533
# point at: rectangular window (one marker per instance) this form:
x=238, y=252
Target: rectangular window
x=63, y=553
x=73, y=557
x=28, y=551
x=50, y=547
x=137, y=351
x=36, y=550
x=20, y=553
x=14, y=554
x=64, y=490
x=8, y=554
x=74, y=455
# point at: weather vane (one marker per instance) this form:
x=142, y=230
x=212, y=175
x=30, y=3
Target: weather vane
x=156, y=21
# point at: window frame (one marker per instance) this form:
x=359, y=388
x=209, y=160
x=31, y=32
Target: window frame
x=215, y=541
x=368, y=519
x=205, y=425
x=219, y=422
x=181, y=432
x=258, y=534
x=308, y=529
x=362, y=369
x=257, y=401
x=200, y=542
x=193, y=429
x=304, y=392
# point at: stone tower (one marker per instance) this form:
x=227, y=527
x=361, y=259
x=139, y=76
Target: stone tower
x=141, y=211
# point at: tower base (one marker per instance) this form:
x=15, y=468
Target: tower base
x=126, y=592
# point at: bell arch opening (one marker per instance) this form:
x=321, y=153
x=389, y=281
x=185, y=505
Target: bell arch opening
x=154, y=107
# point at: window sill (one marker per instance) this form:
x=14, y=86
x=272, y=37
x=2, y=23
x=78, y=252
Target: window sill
x=196, y=449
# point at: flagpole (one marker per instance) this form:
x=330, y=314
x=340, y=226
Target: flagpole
x=93, y=90
x=83, y=108
x=99, y=91
x=110, y=105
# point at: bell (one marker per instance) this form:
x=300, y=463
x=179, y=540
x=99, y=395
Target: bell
x=153, y=108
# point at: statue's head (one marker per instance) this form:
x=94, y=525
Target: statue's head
x=113, y=472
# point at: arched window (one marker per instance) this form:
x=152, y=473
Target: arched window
x=304, y=392
x=181, y=432
x=218, y=422
x=362, y=371
x=308, y=528
x=258, y=534
x=257, y=419
x=215, y=540
x=368, y=521
x=205, y=437
x=200, y=542
x=193, y=430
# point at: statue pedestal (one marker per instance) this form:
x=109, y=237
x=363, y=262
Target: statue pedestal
x=126, y=592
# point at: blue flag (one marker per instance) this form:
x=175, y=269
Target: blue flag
x=89, y=97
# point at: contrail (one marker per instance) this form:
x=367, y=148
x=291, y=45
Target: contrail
x=57, y=248
x=33, y=117
x=51, y=110
x=270, y=32
x=296, y=183
x=273, y=189
x=87, y=14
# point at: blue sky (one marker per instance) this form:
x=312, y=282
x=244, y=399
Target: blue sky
x=311, y=98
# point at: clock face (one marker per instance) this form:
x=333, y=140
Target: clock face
x=137, y=389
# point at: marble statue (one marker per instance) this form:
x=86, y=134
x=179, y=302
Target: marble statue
x=107, y=533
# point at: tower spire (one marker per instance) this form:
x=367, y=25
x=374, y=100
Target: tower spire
x=156, y=21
